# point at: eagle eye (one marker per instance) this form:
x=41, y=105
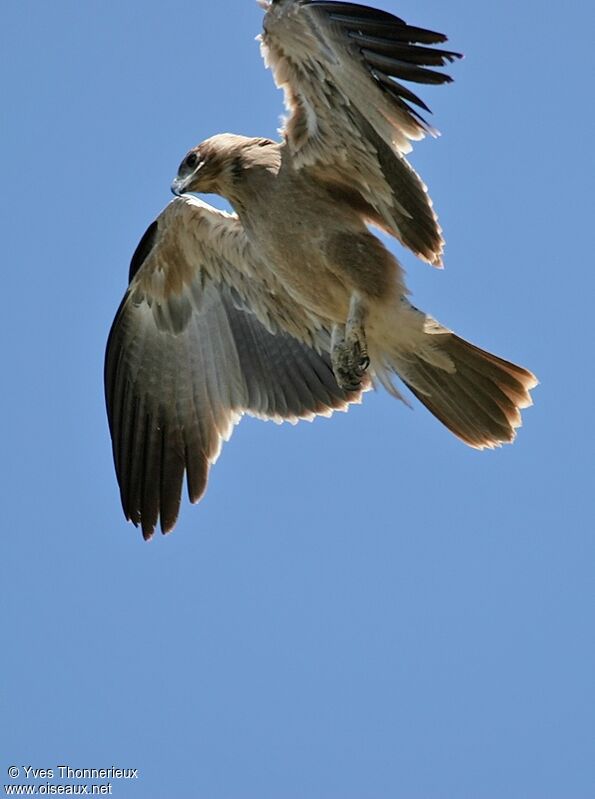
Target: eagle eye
x=191, y=160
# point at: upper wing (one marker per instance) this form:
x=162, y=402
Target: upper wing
x=199, y=339
x=351, y=120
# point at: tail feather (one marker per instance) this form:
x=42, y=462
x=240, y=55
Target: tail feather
x=479, y=399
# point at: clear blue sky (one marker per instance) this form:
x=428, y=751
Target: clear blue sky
x=361, y=608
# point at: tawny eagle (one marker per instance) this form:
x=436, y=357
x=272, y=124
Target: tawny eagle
x=290, y=307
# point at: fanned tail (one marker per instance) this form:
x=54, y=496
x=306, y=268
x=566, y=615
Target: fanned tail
x=477, y=395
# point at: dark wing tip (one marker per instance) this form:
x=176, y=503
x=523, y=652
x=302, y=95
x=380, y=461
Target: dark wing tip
x=390, y=48
x=362, y=11
x=147, y=532
x=150, y=470
x=151, y=483
x=143, y=250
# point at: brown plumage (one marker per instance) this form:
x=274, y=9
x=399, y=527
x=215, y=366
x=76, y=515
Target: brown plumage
x=290, y=307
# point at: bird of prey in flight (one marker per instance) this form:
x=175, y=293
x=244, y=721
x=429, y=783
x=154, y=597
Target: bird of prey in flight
x=291, y=307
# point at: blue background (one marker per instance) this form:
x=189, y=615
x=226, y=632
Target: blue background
x=362, y=607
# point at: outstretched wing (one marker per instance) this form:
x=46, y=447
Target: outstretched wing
x=351, y=119
x=201, y=337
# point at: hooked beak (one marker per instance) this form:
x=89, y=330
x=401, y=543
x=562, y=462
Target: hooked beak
x=182, y=182
x=178, y=186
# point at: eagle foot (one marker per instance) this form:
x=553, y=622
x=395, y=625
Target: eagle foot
x=349, y=358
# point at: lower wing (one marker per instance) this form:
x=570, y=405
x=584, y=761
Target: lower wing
x=197, y=342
